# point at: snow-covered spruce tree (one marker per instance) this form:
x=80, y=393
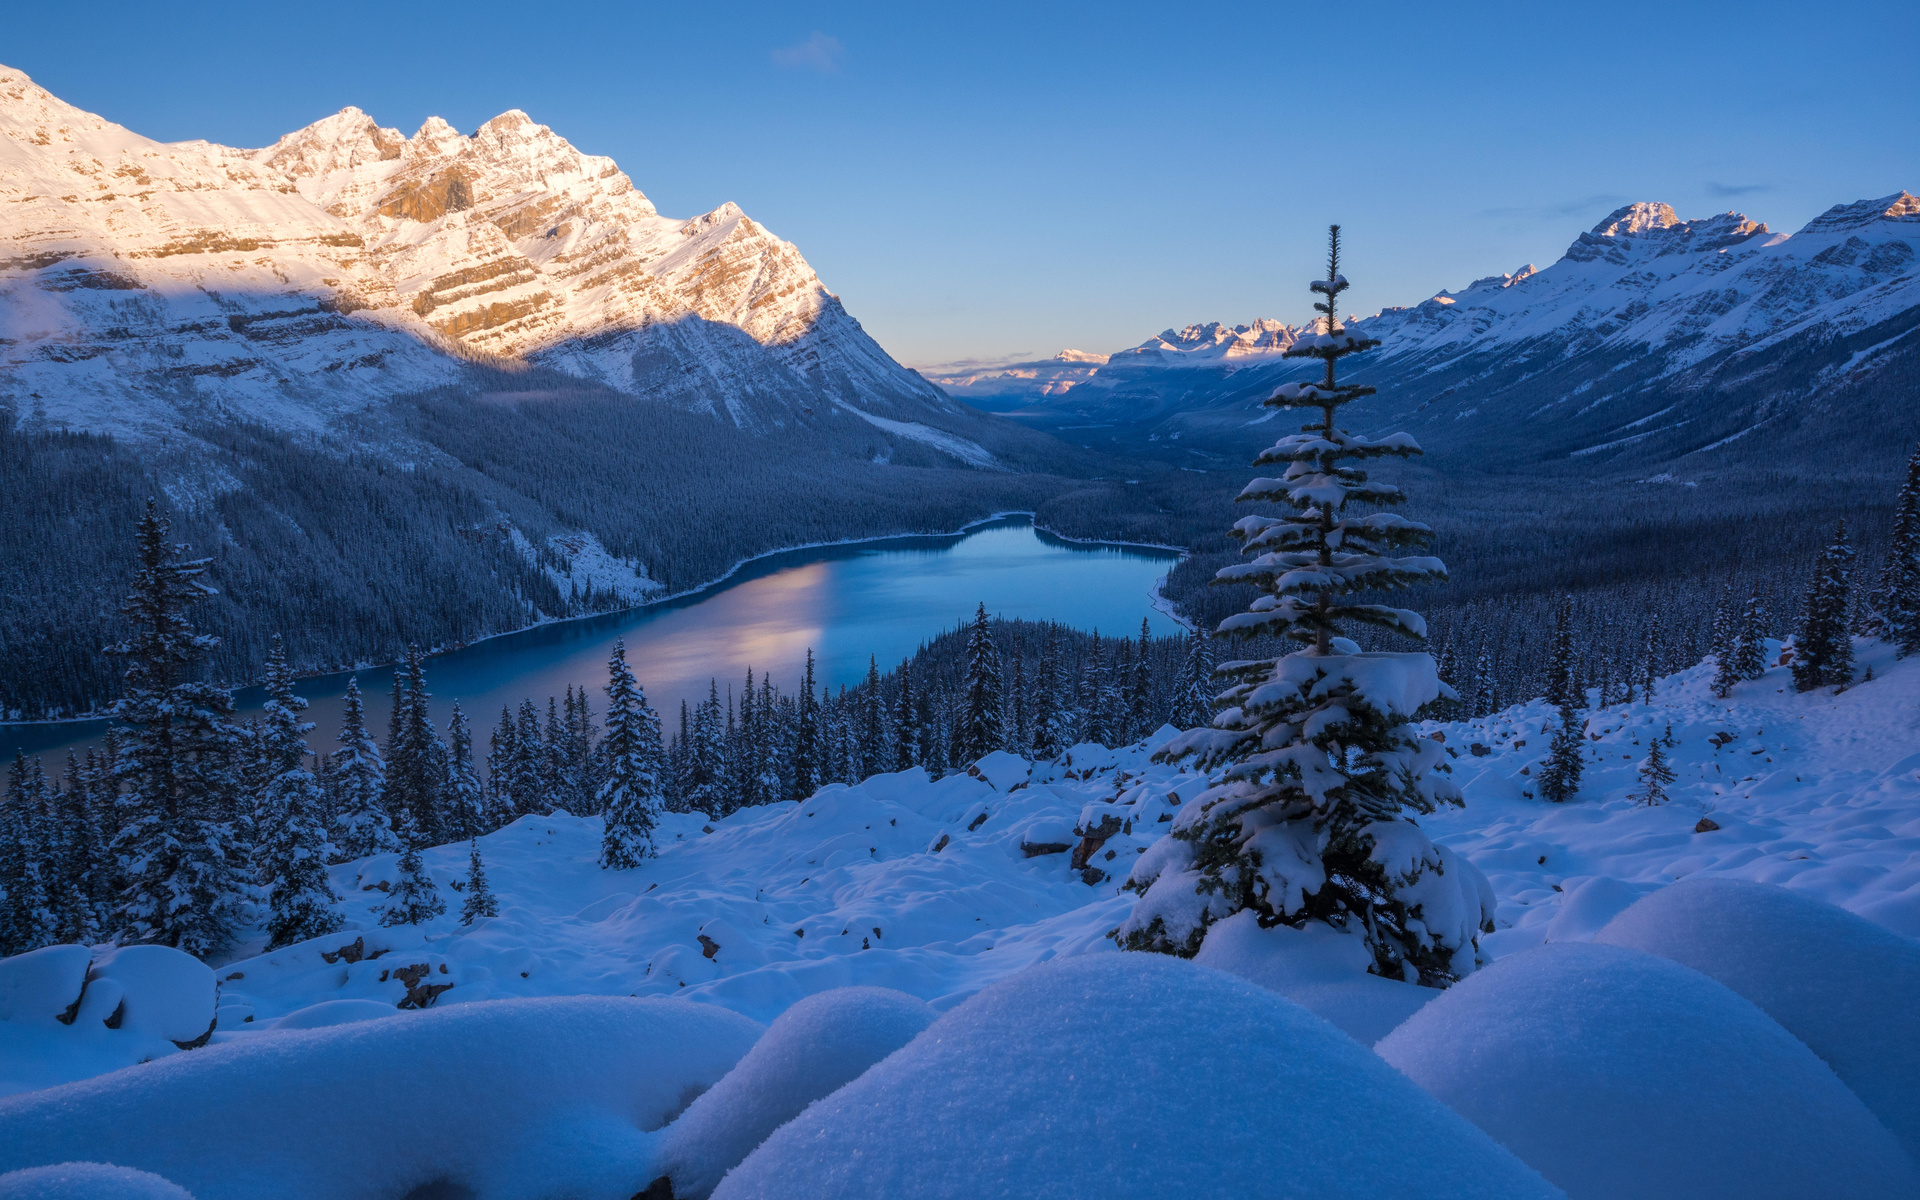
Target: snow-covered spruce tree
x=1051, y=720
x=480, y=901
x=79, y=862
x=25, y=923
x=1317, y=765
x=803, y=765
x=292, y=861
x=1897, y=598
x=361, y=826
x=1650, y=660
x=416, y=766
x=1140, y=716
x=631, y=796
x=1746, y=656
x=1655, y=773
x=1560, y=667
x=466, y=801
x=982, y=732
x=871, y=738
x=1823, y=647
x=1193, y=703
x=1560, y=773
x=176, y=846
x=416, y=898
x=906, y=724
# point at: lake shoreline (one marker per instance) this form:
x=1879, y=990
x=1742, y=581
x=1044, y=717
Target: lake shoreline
x=1157, y=601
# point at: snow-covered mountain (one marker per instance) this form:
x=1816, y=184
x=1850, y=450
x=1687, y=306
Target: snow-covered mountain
x=143, y=284
x=1651, y=334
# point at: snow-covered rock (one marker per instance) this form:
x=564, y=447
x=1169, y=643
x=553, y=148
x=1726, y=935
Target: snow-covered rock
x=42, y=987
x=1121, y=1076
x=510, y=1099
x=814, y=1048
x=1616, y=1073
x=1846, y=987
x=87, y=1181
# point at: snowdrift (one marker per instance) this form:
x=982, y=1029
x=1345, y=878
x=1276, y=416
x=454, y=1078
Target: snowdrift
x=1846, y=987
x=510, y=1099
x=1128, y=1075
x=68, y=1012
x=815, y=1047
x=1618, y=1074
x=87, y=1181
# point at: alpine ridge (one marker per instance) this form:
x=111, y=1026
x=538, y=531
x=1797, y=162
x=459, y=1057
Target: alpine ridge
x=148, y=284
x=1651, y=335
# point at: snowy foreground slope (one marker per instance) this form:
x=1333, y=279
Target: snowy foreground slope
x=1729, y=1039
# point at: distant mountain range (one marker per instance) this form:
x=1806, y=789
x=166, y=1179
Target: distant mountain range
x=1651, y=337
x=146, y=285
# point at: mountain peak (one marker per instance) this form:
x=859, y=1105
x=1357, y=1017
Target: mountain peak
x=1078, y=356
x=1901, y=206
x=1636, y=219
x=344, y=140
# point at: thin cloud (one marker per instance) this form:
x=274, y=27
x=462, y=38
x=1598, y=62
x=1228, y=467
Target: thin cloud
x=1736, y=189
x=817, y=52
x=1565, y=208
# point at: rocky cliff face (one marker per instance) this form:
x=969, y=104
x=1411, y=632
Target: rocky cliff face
x=144, y=284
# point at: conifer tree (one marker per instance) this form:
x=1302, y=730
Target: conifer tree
x=1720, y=631
x=361, y=825
x=1655, y=773
x=1560, y=680
x=803, y=765
x=503, y=751
x=1019, y=730
x=1650, y=660
x=982, y=732
x=416, y=767
x=1052, y=733
x=1750, y=640
x=417, y=898
x=466, y=803
x=872, y=737
x=295, y=850
x=75, y=900
x=706, y=763
x=1193, y=707
x=631, y=796
x=1317, y=764
x=176, y=847
x=1140, y=687
x=480, y=901
x=906, y=724
x=1822, y=648
x=1898, y=595
x=1560, y=774
x=25, y=923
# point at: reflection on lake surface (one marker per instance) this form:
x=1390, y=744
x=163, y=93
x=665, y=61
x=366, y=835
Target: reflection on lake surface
x=881, y=598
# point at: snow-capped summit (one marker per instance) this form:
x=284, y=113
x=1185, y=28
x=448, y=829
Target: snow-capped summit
x=347, y=262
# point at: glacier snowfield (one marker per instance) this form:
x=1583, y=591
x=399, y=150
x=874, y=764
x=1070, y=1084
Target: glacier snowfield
x=905, y=989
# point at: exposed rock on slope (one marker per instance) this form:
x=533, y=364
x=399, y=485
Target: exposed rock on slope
x=145, y=283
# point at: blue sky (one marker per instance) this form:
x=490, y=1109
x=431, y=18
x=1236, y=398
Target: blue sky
x=987, y=180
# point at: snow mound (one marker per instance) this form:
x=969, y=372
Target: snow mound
x=506, y=1099
x=329, y=1013
x=1318, y=967
x=87, y=1181
x=164, y=992
x=815, y=1047
x=65, y=1014
x=1845, y=986
x=41, y=986
x=1620, y=1074
x=1229, y=1090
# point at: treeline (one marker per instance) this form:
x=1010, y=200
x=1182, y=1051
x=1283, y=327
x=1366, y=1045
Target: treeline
x=187, y=825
